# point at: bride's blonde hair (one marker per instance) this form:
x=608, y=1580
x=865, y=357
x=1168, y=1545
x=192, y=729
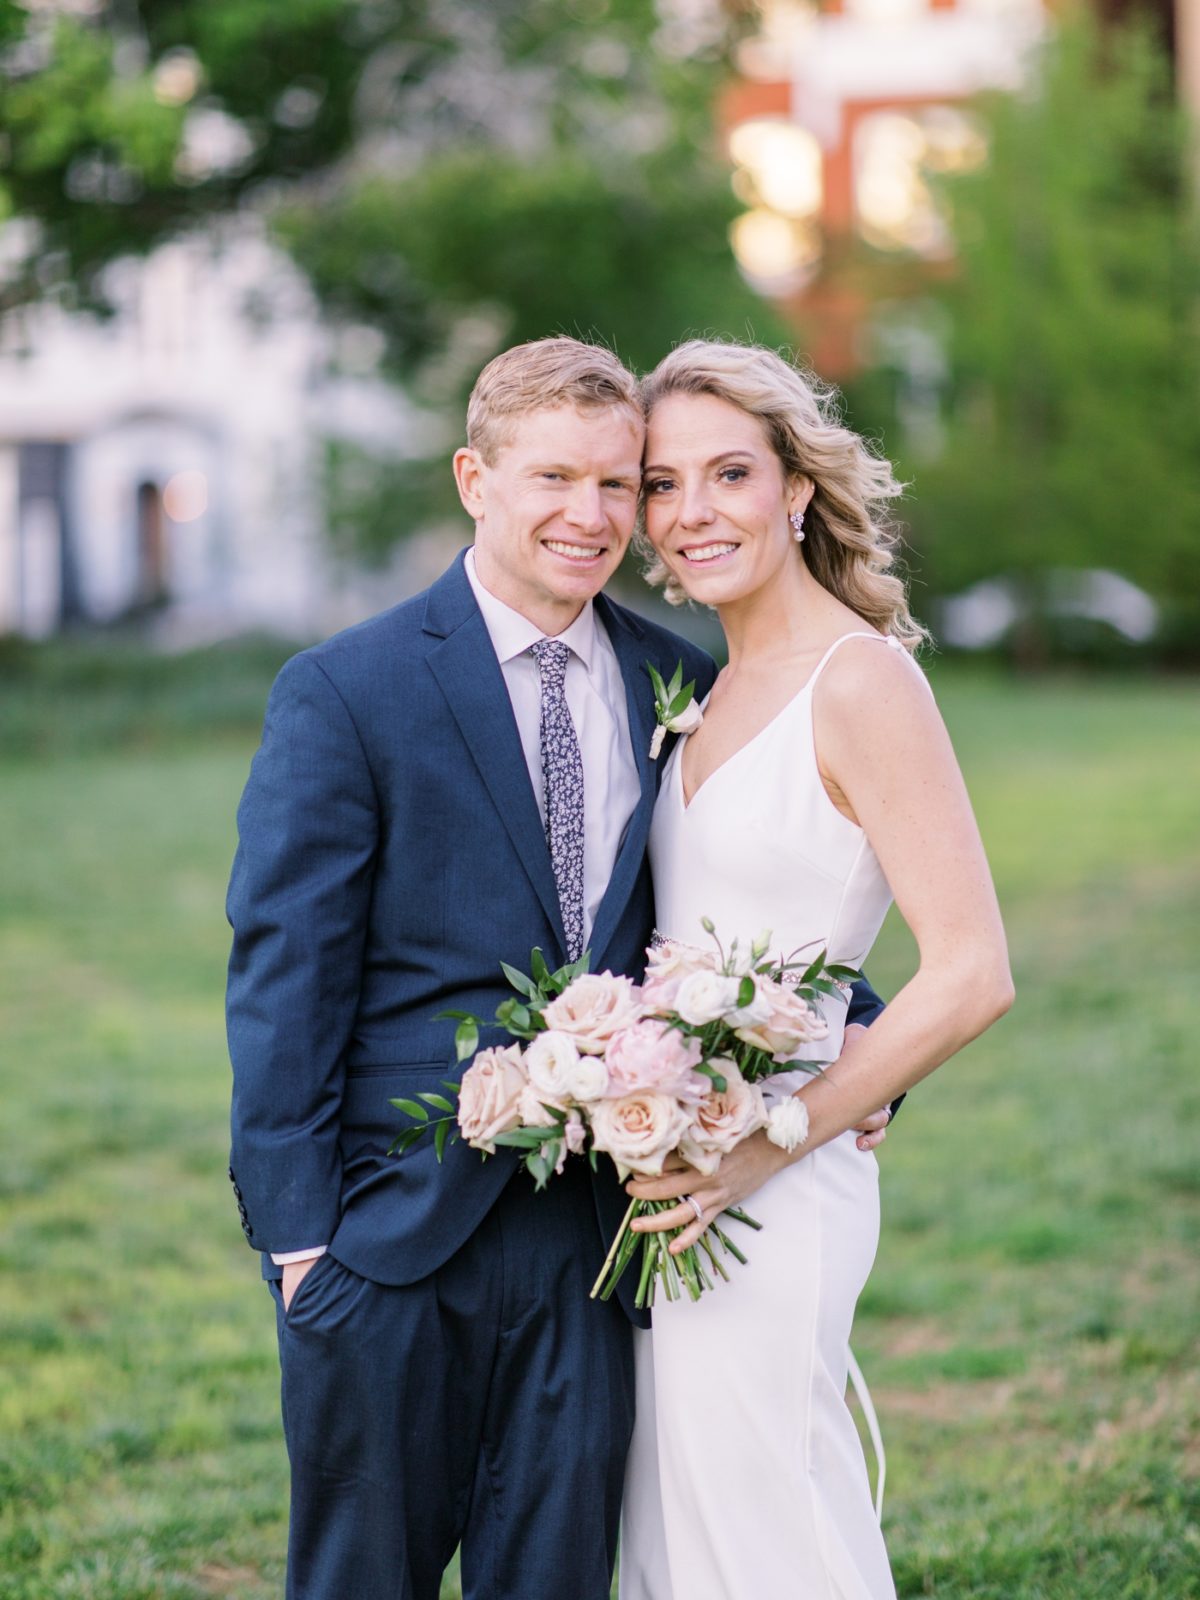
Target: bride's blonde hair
x=849, y=540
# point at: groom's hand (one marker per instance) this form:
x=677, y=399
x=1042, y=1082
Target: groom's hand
x=293, y=1276
x=872, y=1130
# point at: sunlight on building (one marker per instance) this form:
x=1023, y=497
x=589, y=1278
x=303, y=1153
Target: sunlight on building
x=893, y=152
x=784, y=163
x=775, y=252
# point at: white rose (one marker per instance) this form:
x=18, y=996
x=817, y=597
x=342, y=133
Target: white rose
x=705, y=996
x=550, y=1062
x=787, y=1123
x=639, y=1130
x=688, y=720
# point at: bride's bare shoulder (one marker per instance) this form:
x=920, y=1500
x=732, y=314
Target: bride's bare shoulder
x=867, y=669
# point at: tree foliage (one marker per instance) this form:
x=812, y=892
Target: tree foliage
x=1073, y=430
x=453, y=174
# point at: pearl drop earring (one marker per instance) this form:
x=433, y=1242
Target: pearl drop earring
x=797, y=521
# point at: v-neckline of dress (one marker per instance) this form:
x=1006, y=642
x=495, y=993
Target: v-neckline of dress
x=685, y=804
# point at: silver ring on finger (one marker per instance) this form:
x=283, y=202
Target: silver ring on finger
x=696, y=1206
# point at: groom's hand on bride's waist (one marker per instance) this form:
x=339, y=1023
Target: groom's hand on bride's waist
x=872, y=1130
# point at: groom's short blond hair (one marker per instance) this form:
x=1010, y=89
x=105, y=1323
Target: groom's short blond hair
x=539, y=376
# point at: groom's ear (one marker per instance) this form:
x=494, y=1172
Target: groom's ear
x=468, y=475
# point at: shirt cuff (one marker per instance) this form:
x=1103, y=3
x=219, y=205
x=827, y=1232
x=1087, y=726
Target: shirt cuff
x=285, y=1258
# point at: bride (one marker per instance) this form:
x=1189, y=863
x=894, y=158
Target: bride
x=820, y=785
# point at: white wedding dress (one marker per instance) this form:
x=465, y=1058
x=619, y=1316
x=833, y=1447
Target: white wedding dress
x=746, y=1478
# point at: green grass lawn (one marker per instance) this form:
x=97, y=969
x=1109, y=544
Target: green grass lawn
x=1030, y=1330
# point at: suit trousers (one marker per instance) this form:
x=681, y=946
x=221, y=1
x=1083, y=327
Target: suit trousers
x=489, y=1404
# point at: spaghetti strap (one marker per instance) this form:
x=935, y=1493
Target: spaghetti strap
x=883, y=638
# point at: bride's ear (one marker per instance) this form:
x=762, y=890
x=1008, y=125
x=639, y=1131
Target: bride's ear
x=800, y=492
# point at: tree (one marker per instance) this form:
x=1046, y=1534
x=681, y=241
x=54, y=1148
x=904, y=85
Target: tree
x=1073, y=426
x=452, y=174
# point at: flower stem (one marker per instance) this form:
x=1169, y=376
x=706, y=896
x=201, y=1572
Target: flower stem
x=622, y=1231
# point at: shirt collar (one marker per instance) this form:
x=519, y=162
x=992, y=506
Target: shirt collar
x=512, y=634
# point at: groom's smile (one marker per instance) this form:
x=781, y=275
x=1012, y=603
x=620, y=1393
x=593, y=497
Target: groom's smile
x=554, y=509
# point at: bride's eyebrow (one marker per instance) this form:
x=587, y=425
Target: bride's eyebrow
x=716, y=461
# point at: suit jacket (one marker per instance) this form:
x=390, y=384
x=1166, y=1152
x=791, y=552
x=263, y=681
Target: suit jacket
x=390, y=856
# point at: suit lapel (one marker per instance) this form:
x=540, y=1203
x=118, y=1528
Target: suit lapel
x=628, y=640
x=465, y=666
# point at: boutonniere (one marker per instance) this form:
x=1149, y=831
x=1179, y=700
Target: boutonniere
x=675, y=710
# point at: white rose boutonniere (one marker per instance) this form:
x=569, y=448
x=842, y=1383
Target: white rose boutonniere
x=675, y=709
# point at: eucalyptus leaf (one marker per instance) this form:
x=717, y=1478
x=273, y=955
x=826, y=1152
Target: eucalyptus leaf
x=816, y=968
x=524, y=1138
x=466, y=1039
x=438, y=1101
x=519, y=981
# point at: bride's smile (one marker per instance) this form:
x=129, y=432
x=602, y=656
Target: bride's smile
x=717, y=502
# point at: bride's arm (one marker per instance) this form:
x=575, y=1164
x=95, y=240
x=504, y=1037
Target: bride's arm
x=882, y=744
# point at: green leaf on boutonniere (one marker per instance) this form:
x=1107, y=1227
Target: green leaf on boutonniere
x=681, y=700
x=411, y=1108
x=437, y=1101
x=439, y=1139
x=537, y=965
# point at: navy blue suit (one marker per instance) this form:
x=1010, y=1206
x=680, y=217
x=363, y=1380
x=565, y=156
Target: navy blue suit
x=444, y=1375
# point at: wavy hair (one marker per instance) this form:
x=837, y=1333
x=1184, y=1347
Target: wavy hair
x=850, y=540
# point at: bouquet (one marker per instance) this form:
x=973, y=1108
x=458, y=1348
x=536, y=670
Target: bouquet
x=601, y=1066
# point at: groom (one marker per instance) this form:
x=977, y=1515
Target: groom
x=439, y=790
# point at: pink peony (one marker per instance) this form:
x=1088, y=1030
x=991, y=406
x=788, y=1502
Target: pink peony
x=490, y=1096
x=592, y=1009
x=651, y=1055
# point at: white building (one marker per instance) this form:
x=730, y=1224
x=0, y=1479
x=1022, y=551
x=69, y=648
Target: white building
x=168, y=460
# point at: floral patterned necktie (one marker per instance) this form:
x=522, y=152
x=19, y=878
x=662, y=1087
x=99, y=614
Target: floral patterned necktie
x=562, y=775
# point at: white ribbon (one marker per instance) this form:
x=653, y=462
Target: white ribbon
x=859, y=1385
